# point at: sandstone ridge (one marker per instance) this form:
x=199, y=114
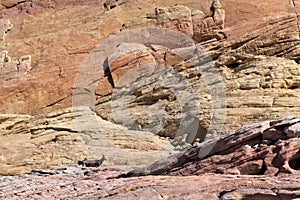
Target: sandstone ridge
x=229, y=64
x=240, y=163
x=260, y=73
x=69, y=135
x=265, y=148
x=71, y=39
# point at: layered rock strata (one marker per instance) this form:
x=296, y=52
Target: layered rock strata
x=70, y=135
x=82, y=183
x=11, y=69
x=260, y=72
x=258, y=161
x=256, y=53
x=265, y=148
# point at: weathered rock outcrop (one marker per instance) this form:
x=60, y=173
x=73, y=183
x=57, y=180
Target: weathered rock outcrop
x=38, y=142
x=11, y=69
x=59, y=46
x=67, y=136
x=258, y=161
x=82, y=183
x=13, y=8
x=258, y=87
x=265, y=148
x=193, y=23
x=254, y=49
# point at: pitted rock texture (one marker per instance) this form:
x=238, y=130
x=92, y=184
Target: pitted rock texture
x=193, y=23
x=248, y=30
x=259, y=70
x=59, y=46
x=257, y=193
x=5, y=26
x=11, y=69
x=257, y=88
x=265, y=138
x=265, y=148
x=82, y=183
x=67, y=136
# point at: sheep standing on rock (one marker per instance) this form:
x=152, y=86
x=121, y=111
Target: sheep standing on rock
x=110, y=4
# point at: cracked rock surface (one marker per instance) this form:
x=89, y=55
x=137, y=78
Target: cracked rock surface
x=101, y=184
x=265, y=148
x=254, y=50
x=252, y=45
x=69, y=135
x=258, y=161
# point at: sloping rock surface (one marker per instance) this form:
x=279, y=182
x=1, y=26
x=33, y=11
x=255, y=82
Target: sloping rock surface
x=257, y=62
x=253, y=45
x=259, y=161
x=59, y=47
x=69, y=135
x=265, y=148
x=102, y=184
x=94, y=183
x=259, y=72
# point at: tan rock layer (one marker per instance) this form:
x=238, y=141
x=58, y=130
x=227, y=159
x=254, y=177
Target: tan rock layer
x=69, y=135
x=257, y=87
x=11, y=69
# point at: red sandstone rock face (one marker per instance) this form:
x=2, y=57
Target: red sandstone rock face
x=59, y=46
x=82, y=183
x=12, y=8
x=266, y=148
x=255, y=46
